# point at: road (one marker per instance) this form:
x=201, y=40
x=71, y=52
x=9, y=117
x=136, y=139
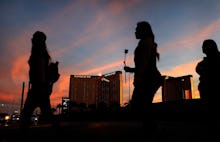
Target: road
x=182, y=121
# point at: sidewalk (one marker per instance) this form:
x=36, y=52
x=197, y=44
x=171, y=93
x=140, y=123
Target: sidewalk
x=179, y=121
x=109, y=131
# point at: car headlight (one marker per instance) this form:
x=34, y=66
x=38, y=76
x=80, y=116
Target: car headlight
x=7, y=117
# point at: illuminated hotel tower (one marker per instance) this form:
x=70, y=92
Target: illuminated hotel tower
x=178, y=88
x=91, y=89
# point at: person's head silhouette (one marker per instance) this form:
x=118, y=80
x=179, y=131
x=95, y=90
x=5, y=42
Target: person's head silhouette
x=39, y=38
x=209, y=47
x=143, y=30
x=39, y=47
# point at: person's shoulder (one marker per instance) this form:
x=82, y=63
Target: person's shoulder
x=147, y=42
x=202, y=62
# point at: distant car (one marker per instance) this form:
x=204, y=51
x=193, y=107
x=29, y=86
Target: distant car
x=15, y=117
x=5, y=119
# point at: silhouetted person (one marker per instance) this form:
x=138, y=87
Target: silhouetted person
x=209, y=71
x=147, y=78
x=40, y=91
x=209, y=87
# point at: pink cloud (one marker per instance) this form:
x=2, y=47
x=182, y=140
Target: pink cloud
x=96, y=28
x=117, y=7
x=196, y=38
x=102, y=69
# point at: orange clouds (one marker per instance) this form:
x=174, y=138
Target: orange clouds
x=60, y=89
x=96, y=71
x=105, y=26
x=182, y=70
x=20, y=69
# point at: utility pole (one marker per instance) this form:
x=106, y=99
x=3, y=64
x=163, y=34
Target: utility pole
x=22, y=96
x=125, y=51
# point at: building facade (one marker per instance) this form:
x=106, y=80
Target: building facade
x=92, y=90
x=178, y=88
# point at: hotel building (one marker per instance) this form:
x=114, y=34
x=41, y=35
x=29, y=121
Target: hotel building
x=90, y=89
x=177, y=88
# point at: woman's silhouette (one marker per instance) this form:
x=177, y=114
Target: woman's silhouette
x=209, y=71
x=147, y=78
x=39, y=92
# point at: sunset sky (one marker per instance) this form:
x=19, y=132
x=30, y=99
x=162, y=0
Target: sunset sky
x=88, y=37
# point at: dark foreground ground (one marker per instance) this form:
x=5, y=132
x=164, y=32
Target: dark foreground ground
x=174, y=121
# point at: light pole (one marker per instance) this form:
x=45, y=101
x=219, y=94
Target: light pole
x=125, y=51
x=22, y=96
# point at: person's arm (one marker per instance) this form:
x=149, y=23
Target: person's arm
x=129, y=69
x=200, y=67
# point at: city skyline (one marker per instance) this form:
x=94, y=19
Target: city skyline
x=89, y=38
